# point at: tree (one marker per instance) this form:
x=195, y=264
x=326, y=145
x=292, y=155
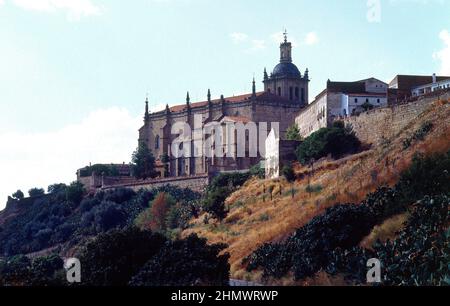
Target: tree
x=143, y=162
x=34, y=192
x=155, y=217
x=288, y=173
x=214, y=203
x=55, y=188
x=114, y=257
x=18, y=195
x=293, y=133
x=187, y=262
x=337, y=141
x=75, y=192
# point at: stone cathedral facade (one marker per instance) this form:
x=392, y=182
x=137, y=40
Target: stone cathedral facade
x=285, y=94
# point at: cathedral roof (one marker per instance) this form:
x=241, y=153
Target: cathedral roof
x=260, y=96
x=286, y=70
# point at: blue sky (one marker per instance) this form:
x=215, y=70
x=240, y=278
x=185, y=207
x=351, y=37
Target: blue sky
x=70, y=67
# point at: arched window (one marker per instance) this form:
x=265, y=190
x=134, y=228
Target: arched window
x=291, y=93
x=296, y=93
x=279, y=91
x=303, y=95
x=157, y=142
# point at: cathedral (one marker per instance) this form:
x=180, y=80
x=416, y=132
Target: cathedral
x=285, y=94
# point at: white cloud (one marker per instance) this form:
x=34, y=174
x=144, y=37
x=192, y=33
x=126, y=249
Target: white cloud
x=444, y=54
x=311, y=38
x=238, y=37
x=75, y=9
x=277, y=37
x=40, y=159
x=256, y=45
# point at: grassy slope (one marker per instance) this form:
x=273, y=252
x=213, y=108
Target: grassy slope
x=255, y=219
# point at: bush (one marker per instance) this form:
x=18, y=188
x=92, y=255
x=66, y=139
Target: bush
x=75, y=192
x=56, y=188
x=258, y=171
x=426, y=176
x=188, y=262
x=219, y=189
x=114, y=257
x=418, y=135
x=336, y=141
x=18, y=195
x=417, y=257
x=293, y=133
x=214, y=202
x=288, y=173
x=35, y=192
x=155, y=217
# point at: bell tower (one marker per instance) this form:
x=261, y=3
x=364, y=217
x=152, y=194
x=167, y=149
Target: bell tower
x=286, y=80
x=285, y=50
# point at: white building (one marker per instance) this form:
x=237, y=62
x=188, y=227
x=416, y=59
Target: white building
x=431, y=87
x=341, y=99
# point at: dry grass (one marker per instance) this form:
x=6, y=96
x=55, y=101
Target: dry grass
x=256, y=217
x=386, y=231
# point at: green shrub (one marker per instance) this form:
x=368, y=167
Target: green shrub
x=293, y=133
x=188, y=262
x=112, y=258
x=258, y=171
x=35, y=192
x=288, y=173
x=18, y=195
x=335, y=141
x=314, y=188
x=75, y=192
x=418, y=135
x=218, y=191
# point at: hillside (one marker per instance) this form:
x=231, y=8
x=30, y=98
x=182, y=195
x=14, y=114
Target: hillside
x=257, y=216
x=275, y=232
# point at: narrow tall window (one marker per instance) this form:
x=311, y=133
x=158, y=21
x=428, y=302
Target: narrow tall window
x=279, y=91
x=303, y=95
x=296, y=93
x=157, y=142
x=291, y=93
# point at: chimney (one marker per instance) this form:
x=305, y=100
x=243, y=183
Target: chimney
x=434, y=78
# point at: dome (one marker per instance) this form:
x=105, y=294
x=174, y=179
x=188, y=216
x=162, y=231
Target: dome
x=286, y=69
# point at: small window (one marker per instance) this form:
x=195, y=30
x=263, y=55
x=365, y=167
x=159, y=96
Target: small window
x=367, y=100
x=356, y=100
x=157, y=142
x=378, y=100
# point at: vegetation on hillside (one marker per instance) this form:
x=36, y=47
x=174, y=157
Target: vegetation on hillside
x=335, y=141
x=325, y=242
x=269, y=211
x=65, y=218
x=99, y=169
x=219, y=189
x=126, y=257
